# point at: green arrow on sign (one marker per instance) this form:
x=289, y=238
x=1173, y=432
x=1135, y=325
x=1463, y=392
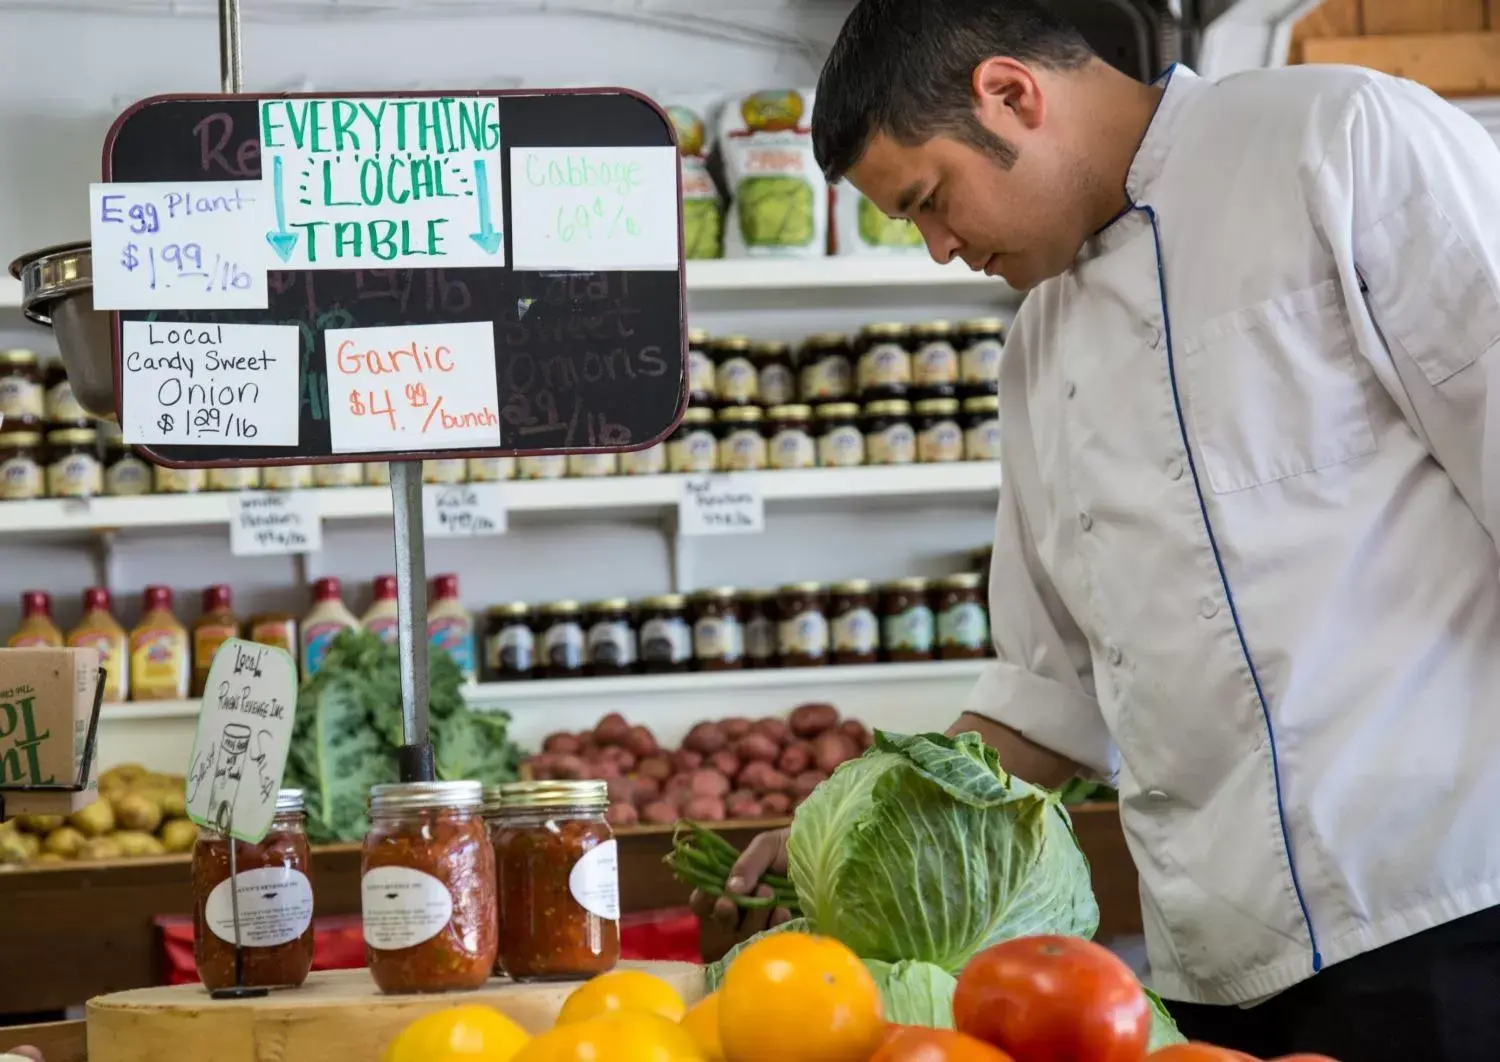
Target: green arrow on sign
x=487, y=237
x=281, y=240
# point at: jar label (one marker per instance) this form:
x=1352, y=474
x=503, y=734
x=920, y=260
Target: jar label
x=453, y=635
x=743, y=451
x=276, y=907
x=963, y=626
x=401, y=907
x=909, y=631
x=943, y=441
x=760, y=638
x=718, y=638
x=777, y=385
x=385, y=628
x=491, y=469
x=936, y=364
x=317, y=639
x=805, y=635
x=339, y=474
x=112, y=658
x=20, y=397
x=180, y=480
x=651, y=461
x=20, y=479
x=737, y=380
x=884, y=365
x=233, y=478
x=377, y=474
x=280, y=633
x=855, y=632
x=594, y=881
x=828, y=377
x=62, y=404
x=207, y=639
x=793, y=448
x=666, y=640
x=611, y=642
x=512, y=649
x=896, y=445
x=75, y=476
x=592, y=465
x=697, y=451
x=982, y=441
x=700, y=373
x=447, y=471
x=282, y=477
x=841, y=448
x=159, y=658
x=980, y=362
x=128, y=477
x=542, y=466
x=562, y=646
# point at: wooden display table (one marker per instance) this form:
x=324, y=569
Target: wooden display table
x=336, y=1015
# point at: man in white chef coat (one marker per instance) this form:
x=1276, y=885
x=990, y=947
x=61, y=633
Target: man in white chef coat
x=1245, y=563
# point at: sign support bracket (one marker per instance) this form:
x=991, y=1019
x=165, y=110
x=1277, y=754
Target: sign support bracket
x=411, y=626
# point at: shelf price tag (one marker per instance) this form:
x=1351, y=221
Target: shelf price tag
x=468, y=510
x=721, y=505
x=265, y=523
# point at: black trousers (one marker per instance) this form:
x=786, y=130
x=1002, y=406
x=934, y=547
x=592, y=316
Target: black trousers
x=1434, y=997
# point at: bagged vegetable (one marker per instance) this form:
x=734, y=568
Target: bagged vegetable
x=862, y=228
x=778, y=197
x=702, y=206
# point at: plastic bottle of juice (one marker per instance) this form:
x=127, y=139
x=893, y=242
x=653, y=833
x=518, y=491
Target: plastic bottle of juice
x=380, y=618
x=37, y=631
x=324, y=622
x=160, y=663
x=216, y=626
x=449, y=625
x=99, y=630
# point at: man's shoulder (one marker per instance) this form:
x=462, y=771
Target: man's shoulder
x=1311, y=99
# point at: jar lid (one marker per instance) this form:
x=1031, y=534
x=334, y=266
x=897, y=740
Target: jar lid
x=697, y=337
x=667, y=601
x=416, y=796
x=757, y=595
x=730, y=343
x=983, y=324
x=515, y=608
x=550, y=794
x=886, y=329
x=889, y=407
x=558, y=607
x=18, y=439
x=717, y=593
x=938, y=406
x=851, y=586
x=17, y=356
x=739, y=413
x=961, y=581
x=802, y=588
x=72, y=437
x=931, y=328
x=698, y=415
x=982, y=404
x=910, y=583
x=795, y=411
x=823, y=340
x=770, y=348
x=288, y=801
x=837, y=410
x=610, y=604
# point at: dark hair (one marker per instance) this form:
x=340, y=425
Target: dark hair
x=904, y=68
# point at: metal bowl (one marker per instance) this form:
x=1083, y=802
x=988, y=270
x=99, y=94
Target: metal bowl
x=57, y=290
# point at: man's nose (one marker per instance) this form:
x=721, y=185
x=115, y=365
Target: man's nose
x=941, y=243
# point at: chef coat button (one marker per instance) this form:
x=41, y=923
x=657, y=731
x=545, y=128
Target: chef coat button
x=1085, y=521
x=1174, y=468
x=1115, y=656
x=1158, y=794
x=1209, y=608
x=1071, y=389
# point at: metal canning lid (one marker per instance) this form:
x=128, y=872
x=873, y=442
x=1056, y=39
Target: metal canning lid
x=730, y=343
x=738, y=413
x=961, y=581
x=515, y=608
x=769, y=348
x=911, y=583
x=837, y=410
x=851, y=586
x=802, y=588
x=890, y=407
x=938, y=405
x=288, y=801
x=795, y=411
x=18, y=439
x=931, y=328
x=885, y=329
x=757, y=595
x=558, y=607
x=982, y=404
x=584, y=793
x=823, y=340
x=717, y=593
x=697, y=337
x=72, y=436
x=982, y=324
x=417, y=796
x=667, y=601
x=698, y=415
x=18, y=357
x=609, y=604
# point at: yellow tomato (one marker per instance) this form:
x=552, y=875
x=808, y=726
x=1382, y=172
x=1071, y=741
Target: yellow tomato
x=620, y=1036
x=702, y=1023
x=622, y=990
x=793, y=997
x=481, y=1034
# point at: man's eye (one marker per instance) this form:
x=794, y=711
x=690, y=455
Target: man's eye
x=928, y=204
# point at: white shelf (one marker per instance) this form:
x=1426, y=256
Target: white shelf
x=10, y=291
x=642, y=494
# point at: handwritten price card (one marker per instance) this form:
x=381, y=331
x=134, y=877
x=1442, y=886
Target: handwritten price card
x=244, y=730
x=412, y=387
x=382, y=183
x=593, y=209
x=192, y=245
x=263, y=523
x=721, y=505
x=210, y=384
x=468, y=510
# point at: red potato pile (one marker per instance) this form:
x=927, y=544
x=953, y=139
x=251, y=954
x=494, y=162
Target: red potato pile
x=732, y=769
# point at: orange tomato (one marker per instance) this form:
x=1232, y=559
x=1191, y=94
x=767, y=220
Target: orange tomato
x=470, y=1031
x=793, y=997
x=702, y=1024
x=911, y=1044
x=619, y=1036
x=1054, y=999
x=622, y=990
x=1197, y=1052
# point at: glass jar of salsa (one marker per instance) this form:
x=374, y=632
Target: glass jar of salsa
x=906, y=622
x=884, y=366
x=758, y=619
x=963, y=623
x=275, y=901
x=889, y=437
x=934, y=362
x=802, y=628
x=773, y=366
x=980, y=343
x=841, y=443
x=824, y=369
x=718, y=637
x=701, y=386
x=427, y=891
x=742, y=444
x=940, y=438
x=610, y=642
x=851, y=615
x=559, y=880
x=694, y=445
x=509, y=643
x=736, y=382
x=666, y=638
x=562, y=640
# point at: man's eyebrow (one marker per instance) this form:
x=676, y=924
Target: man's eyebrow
x=907, y=197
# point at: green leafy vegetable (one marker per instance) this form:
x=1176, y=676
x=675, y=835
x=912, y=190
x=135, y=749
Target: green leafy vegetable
x=915, y=993
x=878, y=230
x=775, y=211
x=704, y=860
x=703, y=226
x=1163, y=1029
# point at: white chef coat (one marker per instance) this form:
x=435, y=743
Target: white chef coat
x=1245, y=563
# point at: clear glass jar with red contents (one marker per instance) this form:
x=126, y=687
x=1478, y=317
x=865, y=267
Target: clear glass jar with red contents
x=559, y=880
x=275, y=901
x=428, y=888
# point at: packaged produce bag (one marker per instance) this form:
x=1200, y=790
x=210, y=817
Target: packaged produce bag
x=46, y=702
x=702, y=205
x=862, y=228
x=778, y=197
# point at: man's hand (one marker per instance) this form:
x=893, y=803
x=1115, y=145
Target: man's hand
x=28, y=1053
x=766, y=852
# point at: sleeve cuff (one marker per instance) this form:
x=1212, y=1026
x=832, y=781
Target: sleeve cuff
x=1047, y=712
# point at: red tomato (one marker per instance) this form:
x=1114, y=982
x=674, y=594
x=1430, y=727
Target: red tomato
x=1196, y=1052
x=1304, y=1058
x=1054, y=999
x=913, y=1044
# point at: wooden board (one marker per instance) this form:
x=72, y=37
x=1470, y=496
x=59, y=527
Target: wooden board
x=1454, y=64
x=339, y=1014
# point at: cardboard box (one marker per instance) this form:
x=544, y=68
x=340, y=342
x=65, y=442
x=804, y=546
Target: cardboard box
x=46, y=702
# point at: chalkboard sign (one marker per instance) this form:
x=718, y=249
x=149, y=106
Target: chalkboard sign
x=301, y=278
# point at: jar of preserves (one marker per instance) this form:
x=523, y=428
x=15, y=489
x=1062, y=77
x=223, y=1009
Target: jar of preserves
x=890, y=438
x=652, y=461
x=562, y=640
x=587, y=465
x=758, y=618
x=22, y=474
x=802, y=625
x=126, y=475
x=22, y=399
x=981, y=341
x=718, y=636
x=666, y=638
x=791, y=444
x=376, y=473
x=702, y=389
x=291, y=477
x=509, y=643
x=234, y=477
x=60, y=405
x=773, y=366
x=178, y=480
x=851, y=615
x=340, y=474
x=982, y=428
x=841, y=443
x=825, y=371
x=736, y=383
x=427, y=888
x=940, y=437
x=906, y=621
x=73, y=466
x=963, y=623
x=558, y=869
x=542, y=466
x=275, y=900
x=934, y=361
x=883, y=362
x=491, y=469
x=610, y=641
x=694, y=446
x=444, y=472
x=742, y=442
